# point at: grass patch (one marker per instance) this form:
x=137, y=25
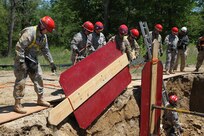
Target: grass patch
x=62, y=56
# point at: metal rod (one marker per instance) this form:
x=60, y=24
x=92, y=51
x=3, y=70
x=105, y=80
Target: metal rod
x=179, y=110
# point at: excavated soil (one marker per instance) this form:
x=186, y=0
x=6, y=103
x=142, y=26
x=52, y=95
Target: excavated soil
x=121, y=118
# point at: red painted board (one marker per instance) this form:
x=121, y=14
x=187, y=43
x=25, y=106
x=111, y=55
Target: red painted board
x=94, y=106
x=145, y=100
x=83, y=71
x=158, y=97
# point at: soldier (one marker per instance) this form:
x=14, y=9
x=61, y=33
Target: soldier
x=171, y=41
x=135, y=48
x=182, y=49
x=122, y=42
x=98, y=38
x=79, y=44
x=170, y=119
x=200, y=57
x=33, y=40
x=155, y=34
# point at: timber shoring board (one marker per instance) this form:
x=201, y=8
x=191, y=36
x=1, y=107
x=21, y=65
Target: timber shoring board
x=7, y=114
x=87, y=69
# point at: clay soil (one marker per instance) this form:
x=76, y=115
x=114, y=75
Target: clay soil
x=121, y=118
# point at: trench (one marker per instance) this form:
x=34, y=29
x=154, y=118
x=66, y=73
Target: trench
x=190, y=89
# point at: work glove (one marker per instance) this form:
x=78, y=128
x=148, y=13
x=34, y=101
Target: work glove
x=23, y=66
x=53, y=67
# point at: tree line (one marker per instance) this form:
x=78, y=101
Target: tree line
x=69, y=15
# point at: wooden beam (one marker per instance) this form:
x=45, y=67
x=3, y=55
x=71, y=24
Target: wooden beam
x=155, y=48
x=60, y=112
x=90, y=87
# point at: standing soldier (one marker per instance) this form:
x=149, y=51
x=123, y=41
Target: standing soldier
x=33, y=40
x=155, y=34
x=98, y=38
x=170, y=119
x=79, y=43
x=171, y=41
x=122, y=42
x=200, y=57
x=182, y=49
x=135, y=48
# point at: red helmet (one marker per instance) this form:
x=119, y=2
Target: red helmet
x=99, y=26
x=123, y=29
x=173, y=99
x=134, y=33
x=174, y=30
x=48, y=23
x=158, y=27
x=88, y=26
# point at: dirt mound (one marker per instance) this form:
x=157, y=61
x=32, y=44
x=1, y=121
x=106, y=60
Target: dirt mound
x=121, y=117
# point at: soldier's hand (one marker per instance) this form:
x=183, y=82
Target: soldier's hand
x=53, y=67
x=77, y=52
x=23, y=66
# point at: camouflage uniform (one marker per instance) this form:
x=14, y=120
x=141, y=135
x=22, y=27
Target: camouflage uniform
x=154, y=35
x=97, y=40
x=135, y=48
x=182, y=51
x=123, y=44
x=170, y=122
x=29, y=46
x=200, y=56
x=80, y=43
x=171, y=53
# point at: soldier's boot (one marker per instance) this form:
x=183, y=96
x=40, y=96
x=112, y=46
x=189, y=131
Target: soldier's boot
x=42, y=102
x=18, y=107
x=167, y=72
x=196, y=70
x=171, y=71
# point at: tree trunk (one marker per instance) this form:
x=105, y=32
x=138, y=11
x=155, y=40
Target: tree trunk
x=12, y=20
x=106, y=15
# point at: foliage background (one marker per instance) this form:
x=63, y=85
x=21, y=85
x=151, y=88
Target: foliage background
x=69, y=15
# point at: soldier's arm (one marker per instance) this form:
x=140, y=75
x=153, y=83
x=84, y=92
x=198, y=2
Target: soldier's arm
x=46, y=51
x=24, y=41
x=128, y=50
x=75, y=41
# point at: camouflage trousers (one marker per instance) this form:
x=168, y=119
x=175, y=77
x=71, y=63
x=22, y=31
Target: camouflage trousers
x=200, y=59
x=21, y=76
x=171, y=56
x=181, y=55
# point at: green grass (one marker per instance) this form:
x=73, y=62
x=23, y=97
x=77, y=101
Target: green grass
x=62, y=56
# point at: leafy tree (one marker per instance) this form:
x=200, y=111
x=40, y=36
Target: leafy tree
x=3, y=28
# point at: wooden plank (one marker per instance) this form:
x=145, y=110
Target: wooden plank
x=94, y=84
x=155, y=48
x=58, y=113
x=7, y=114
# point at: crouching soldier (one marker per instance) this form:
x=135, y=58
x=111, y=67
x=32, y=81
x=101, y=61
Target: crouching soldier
x=33, y=40
x=170, y=119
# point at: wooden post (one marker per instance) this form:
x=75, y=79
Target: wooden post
x=155, y=47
